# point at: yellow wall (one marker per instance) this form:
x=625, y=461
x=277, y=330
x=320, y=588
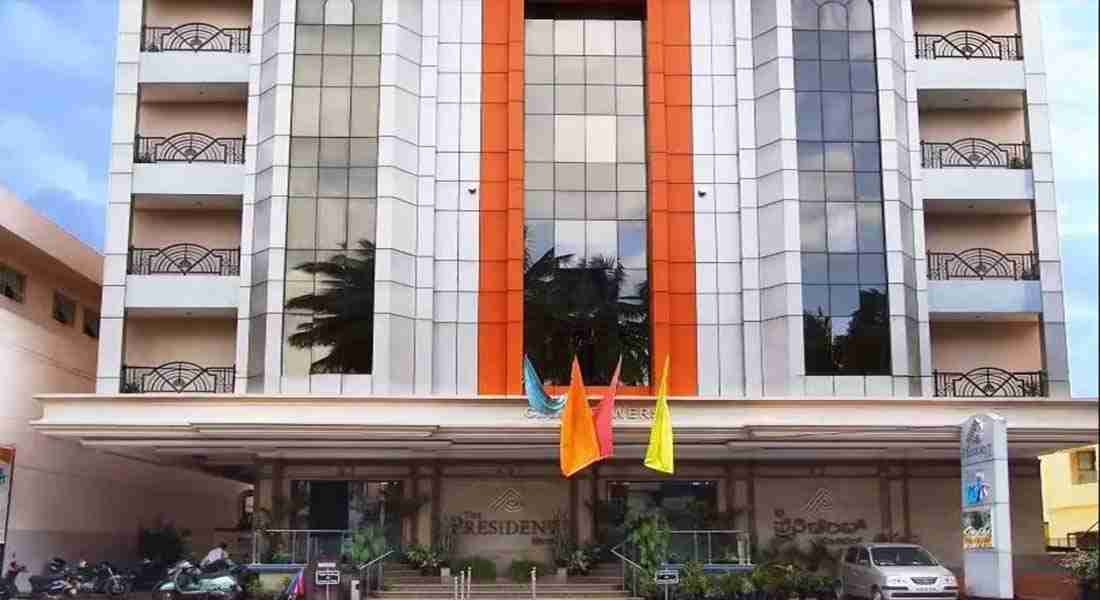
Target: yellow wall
x=1067, y=507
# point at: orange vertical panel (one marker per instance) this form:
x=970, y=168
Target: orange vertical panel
x=500, y=327
x=672, y=199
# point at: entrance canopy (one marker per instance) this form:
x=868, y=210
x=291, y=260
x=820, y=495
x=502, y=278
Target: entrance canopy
x=239, y=429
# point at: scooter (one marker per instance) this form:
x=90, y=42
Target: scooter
x=186, y=581
x=7, y=583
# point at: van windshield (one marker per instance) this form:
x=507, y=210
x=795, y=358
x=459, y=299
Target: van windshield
x=902, y=557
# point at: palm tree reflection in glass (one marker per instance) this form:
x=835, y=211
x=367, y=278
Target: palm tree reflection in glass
x=588, y=307
x=342, y=308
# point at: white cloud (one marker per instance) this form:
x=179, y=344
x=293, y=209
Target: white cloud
x=42, y=39
x=32, y=159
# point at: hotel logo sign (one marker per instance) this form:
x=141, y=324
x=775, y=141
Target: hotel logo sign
x=509, y=501
x=819, y=505
x=976, y=445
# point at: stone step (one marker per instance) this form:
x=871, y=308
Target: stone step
x=510, y=595
x=579, y=580
x=510, y=587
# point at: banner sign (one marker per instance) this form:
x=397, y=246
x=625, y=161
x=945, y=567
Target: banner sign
x=986, y=523
x=7, y=466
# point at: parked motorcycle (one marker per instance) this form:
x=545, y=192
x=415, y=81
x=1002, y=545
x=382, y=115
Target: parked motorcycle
x=102, y=578
x=7, y=583
x=186, y=581
x=57, y=583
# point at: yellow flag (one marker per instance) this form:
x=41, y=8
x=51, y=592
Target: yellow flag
x=659, y=455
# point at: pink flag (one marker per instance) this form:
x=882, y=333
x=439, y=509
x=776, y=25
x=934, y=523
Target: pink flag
x=605, y=414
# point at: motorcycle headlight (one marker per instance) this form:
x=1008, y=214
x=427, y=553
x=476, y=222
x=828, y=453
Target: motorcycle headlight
x=897, y=582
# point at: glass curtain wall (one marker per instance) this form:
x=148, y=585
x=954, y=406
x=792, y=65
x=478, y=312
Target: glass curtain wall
x=586, y=288
x=846, y=317
x=331, y=212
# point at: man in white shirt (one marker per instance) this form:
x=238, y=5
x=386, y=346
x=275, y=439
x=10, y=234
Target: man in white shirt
x=216, y=558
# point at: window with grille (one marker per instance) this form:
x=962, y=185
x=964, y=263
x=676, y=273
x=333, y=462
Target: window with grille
x=64, y=309
x=1084, y=466
x=91, y=323
x=12, y=283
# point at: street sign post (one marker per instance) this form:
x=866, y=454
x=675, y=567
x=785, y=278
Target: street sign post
x=666, y=578
x=326, y=576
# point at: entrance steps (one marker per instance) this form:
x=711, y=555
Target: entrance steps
x=604, y=583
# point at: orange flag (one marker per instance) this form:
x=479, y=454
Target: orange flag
x=579, y=445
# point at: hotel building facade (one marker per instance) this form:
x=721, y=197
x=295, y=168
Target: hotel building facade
x=336, y=228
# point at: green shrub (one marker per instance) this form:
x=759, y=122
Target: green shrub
x=365, y=545
x=694, y=582
x=729, y=585
x=520, y=570
x=481, y=569
x=1082, y=566
x=164, y=542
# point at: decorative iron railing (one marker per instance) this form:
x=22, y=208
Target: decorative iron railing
x=177, y=377
x=195, y=37
x=983, y=263
x=189, y=147
x=990, y=382
x=975, y=153
x=969, y=44
x=184, y=259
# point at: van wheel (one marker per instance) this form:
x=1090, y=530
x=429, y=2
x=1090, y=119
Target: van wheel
x=876, y=594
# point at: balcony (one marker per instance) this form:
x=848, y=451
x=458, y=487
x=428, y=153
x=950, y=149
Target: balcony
x=177, y=377
x=194, y=53
x=990, y=382
x=981, y=283
x=196, y=37
x=969, y=45
x=982, y=264
x=184, y=259
x=977, y=169
x=189, y=163
x=968, y=57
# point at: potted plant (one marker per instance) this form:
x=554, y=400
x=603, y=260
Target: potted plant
x=562, y=547
x=1083, y=570
x=423, y=558
x=734, y=586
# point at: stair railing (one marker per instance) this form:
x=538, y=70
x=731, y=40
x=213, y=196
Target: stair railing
x=630, y=571
x=534, y=583
x=367, y=570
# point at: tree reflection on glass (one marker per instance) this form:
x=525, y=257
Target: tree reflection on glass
x=342, y=309
x=855, y=348
x=588, y=307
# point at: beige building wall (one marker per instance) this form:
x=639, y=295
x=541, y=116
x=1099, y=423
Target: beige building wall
x=155, y=341
x=990, y=20
x=1012, y=346
x=216, y=119
x=956, y=232
x=1068, y=507
x=211, y=229
x=71, y=500
x=1000, y=126
x=222, y=13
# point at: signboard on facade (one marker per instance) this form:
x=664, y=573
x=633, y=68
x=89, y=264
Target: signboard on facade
x=7, y=467
x=986, y=523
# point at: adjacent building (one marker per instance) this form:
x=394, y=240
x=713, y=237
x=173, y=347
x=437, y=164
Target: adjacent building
x=70, y=499
x=1071, y=505
x=336, y=228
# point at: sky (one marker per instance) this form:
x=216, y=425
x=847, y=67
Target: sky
x=57, y=76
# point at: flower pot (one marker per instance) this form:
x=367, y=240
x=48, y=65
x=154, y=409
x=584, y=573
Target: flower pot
x=562, y=575
x=444, y=575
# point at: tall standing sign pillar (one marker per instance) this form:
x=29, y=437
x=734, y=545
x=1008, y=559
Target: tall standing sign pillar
x=986, y=518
